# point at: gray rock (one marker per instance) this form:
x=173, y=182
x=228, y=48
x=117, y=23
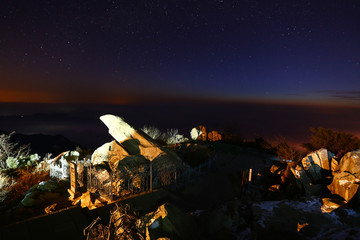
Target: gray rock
x=315, y=162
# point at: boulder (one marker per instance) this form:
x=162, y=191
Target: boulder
x=118, y=128
x=131, y=142
x=110, y=152
x=90, y=200
x=347, y=179
x=199, y=133
x=195, y=133
x=304, y=182
x=316, y=162
x=345, y=185
x=330, y=204
x=275, y=169
x=48, y=186
x=31, y=199
x=350, y=162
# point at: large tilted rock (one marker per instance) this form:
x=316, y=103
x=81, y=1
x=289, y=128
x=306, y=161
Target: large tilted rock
x=347, y=179
x=132, y=147
x=134, y=142
x=118, y=128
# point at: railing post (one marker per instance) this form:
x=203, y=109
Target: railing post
x=250, y=173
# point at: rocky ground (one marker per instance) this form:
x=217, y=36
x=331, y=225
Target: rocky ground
x=275, y=205
x=316, y=198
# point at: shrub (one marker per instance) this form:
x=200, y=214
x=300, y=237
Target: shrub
x=5, y=184
x=9, y=149
x=123, y=224
x=25, y=179
x=172, y=136
x=284, y=151
x=12, y=162
x=153, y=132
x=335, y=141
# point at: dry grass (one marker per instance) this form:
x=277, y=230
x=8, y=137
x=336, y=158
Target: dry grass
x=5, y=185
x=123, y=224
x=25, y=179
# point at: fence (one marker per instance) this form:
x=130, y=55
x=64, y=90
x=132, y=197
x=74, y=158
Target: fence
x=60, y=169
x=56, y=172
x=128, y=181
x=82, y=172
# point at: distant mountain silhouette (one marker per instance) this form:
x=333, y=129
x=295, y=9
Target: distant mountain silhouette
x=42, y=144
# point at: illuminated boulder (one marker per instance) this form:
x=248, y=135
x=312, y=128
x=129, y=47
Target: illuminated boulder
x=131, y=142
x=118, y=128
x=350, y=162
x=110, y=152
x=195, y=133
x=347, y=179
x=200, y=131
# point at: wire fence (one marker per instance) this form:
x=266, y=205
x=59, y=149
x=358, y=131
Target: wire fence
x=56, y=172
x=128, y=181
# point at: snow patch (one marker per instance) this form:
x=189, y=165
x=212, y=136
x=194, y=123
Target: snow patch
x=344, y=182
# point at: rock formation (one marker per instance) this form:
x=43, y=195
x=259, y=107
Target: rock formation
x=199, y=133
x=312, y=170
x=316, y=162
x=132, y=146
x=214, y=136
x=347, y=179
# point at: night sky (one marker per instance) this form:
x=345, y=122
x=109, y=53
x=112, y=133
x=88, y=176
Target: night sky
x=294, y=52
x=129, y=51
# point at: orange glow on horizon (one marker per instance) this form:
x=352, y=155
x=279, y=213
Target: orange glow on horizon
x=93, y=97
x=21, y=96
x=18, y=96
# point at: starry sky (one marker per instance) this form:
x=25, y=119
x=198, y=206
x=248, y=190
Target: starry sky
x=129, y=51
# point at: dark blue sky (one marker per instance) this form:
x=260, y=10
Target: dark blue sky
x=133, y=51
